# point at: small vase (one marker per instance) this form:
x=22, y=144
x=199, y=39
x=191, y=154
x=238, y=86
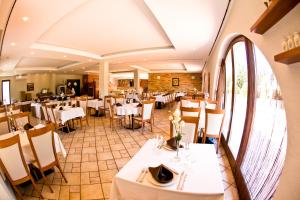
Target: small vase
x=290, y=42
x=296, y=39
x=284, y=45
x=177, y=157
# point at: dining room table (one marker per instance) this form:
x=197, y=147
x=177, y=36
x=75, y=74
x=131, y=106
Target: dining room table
x=196, y=175
x=67, y=113
x=129, y=109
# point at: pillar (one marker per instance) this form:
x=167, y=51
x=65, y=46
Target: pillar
x=136, y=80
x=103, y=79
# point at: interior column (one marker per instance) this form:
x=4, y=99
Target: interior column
x=103, y=79
x=136, y=80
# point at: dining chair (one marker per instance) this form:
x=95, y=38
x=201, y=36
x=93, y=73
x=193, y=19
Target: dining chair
x=146, y=116
x=21, y=119
x=4, y=125
x=213, y=125
x=57, y=122
x=194, y=103
x=211, y=104
x=107, y=102
x=189, y=111
x=113, y=116
x=83, y=103
x=13, y=164
x=45, y=113
x=189, y=131
x=43, y=146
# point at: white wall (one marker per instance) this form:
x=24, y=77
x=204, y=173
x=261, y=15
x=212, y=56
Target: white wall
x=40, y=80
x=242, y=16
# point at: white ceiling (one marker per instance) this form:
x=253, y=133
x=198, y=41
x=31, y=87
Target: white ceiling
x=73, y=36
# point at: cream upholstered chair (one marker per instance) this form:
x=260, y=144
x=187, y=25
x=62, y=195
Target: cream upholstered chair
x=42, y=143
x=21, y=119
x=13, y=164
x=211, y=104
x=113, y=116
x=146, y=116
x=4, y=125
x=83, y=103
x=191, y=103
x=45, y=113
x=213, y=125
x=57, y=122
x=190, y=130
x=189, y=111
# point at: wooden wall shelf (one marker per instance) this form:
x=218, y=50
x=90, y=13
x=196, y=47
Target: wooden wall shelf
x=276, y=10
x=288, y=57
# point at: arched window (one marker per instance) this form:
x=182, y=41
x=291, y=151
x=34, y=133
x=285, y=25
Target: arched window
x=254, y=130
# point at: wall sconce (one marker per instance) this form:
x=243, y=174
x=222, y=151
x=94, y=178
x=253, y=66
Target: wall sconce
x=193, y=77
x=158, y=77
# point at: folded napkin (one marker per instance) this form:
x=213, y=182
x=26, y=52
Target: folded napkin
x=100, y=99
x=161, y=174
x=172, y=143
x=139, y=105
x=61, y=108
x=73, y=105
x=118, y=104
x=27, y=127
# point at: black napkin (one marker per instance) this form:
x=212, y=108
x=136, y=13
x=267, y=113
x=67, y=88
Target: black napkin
x=118, y=104
x=100, y=99
x=73, y=105
x=172, y=143
x=134, y=101
x=139, y=105
x=61, y=108
x=27, y=127
x=161, y=174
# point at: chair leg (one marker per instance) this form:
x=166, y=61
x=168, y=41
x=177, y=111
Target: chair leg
x=18, y=192
x=63, y=175
x=45, y=180
x=143, y=125
x=203, y=138
x=151, y=126
x=36, y=189
x=80, y=123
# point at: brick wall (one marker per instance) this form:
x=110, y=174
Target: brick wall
x=165, y=82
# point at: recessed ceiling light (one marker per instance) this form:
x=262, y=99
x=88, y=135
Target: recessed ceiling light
x=25, y=18
x=32, y=53
x=145, y=59
x=65, y=56
x=72, y=70
x=90, y=60
x=119, y=62
x=13, y=44
x=83, y=67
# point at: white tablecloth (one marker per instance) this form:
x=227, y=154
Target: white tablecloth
x=179, y=94
x=127, y=109
x=37, y=108
x=68, y=113
x=161, y=98
x=95, y=103
x=28, y=154
x=204, y=180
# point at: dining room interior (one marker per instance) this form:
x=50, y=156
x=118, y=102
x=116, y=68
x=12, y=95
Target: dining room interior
x=149, y=99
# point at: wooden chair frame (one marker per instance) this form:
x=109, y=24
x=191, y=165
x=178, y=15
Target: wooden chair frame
x=5, y=119
x=9, y=142
x=113, y=116
x=188, y=119
x=217, y=136
x=57, y=125
x=143, y=121
x=188, y=109
x=20, y=115
x=38, y=132
x=191, y=100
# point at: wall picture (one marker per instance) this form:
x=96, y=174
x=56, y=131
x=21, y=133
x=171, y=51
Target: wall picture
x=175, y=81
x=30, y=87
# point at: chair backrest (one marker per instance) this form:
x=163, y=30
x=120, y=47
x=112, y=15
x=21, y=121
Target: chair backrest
x=147, y=110
x=188, y=111
x=4, y=125
x=189, y=131
x=12, y=159
x=191, y=103
x=111, y=108
x=51, y=114
x=2, y=114
x=42, y=143
x=211, y=104
x=44, y=109
x=83, y=104
x=21, y=119
x=213, y=122
x=107, y=101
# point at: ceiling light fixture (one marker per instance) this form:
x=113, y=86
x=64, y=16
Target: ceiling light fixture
x=25, y=18
x=32, y=53
x=13, y=44
x=65, y=56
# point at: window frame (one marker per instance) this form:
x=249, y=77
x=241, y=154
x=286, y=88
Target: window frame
x=9, y=90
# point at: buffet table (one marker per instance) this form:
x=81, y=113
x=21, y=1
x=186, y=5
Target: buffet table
x=203, y=178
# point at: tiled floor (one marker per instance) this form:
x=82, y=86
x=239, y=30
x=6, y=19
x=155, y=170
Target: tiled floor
x=96, y=154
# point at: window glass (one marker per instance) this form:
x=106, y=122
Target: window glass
x=228, y=94
x=240, y=96
x=261, y=169
x=6, y=92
